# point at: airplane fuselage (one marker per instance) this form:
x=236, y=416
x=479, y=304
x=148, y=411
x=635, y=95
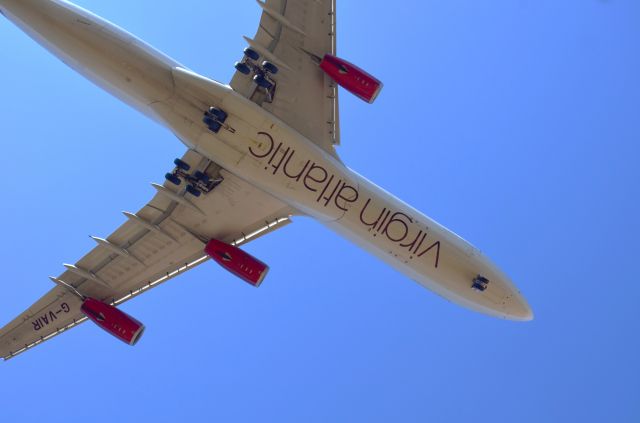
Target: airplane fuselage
x=266, y=152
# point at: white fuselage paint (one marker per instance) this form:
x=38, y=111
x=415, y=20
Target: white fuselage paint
x=269, y=154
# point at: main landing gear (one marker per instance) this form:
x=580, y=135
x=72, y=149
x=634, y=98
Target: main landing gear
x=197, y=183
x=214, y=118
x=262, y=73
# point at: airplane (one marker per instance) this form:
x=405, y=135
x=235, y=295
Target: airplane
x=259, y=151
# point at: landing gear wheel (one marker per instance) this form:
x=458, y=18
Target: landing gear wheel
x=251, y=53
x=218, y=114
x=215, y=127
x=200, y=176
x=480, y=283
x=193, y=191
x=181, y=164
x=243, y=68
x=261, y=81
x=174, y=179
x=208, y=120
x=269, y=67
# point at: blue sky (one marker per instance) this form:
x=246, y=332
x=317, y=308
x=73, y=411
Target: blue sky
x=514, y=123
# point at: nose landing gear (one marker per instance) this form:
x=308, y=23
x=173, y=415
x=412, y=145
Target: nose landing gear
x=480, y=283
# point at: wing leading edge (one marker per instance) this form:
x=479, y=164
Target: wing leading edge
x=161, y=241
x=289, y=35
x=167, y=236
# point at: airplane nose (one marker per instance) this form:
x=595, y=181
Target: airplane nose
x=517, y=308
x=495, y=292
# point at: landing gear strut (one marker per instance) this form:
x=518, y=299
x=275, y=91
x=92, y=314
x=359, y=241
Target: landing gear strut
x=197, y=183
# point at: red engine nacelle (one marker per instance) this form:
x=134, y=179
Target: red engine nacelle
x=351, y=77
x=113, y=320
x=236, y=261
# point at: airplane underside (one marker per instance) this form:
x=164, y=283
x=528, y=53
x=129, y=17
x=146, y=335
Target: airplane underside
x=239, y=132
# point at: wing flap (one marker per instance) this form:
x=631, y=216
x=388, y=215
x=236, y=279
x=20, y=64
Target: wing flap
x=139, y=256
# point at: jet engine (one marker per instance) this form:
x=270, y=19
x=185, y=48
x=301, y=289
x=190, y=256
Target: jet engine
x=351, y=78
x=113, y=320
x=236, y=261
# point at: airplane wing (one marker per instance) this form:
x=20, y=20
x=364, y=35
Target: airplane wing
x=304, y=96
x=162, y=240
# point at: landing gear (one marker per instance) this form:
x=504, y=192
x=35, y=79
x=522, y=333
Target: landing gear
x=173, y=178
x=180, y=164
x=202, y=177
x=214, y=119
x=261, y=73
x=200, y=181
x=212, y=125
x=480, y=283
x=193, y=191
x=262, y=81
x=269, y=67
x=217, y=114
x=243, y=68
x=251, y=53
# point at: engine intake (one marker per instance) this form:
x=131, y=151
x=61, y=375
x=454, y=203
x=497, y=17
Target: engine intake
x=113, y=320
x=351, y=78
x=238, y=262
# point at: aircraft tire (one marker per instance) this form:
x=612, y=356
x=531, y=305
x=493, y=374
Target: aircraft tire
x=180, y=164
x=174, y=179
x=269, y=67
x=251, y=53
x=243, y=68
x=193, y=191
